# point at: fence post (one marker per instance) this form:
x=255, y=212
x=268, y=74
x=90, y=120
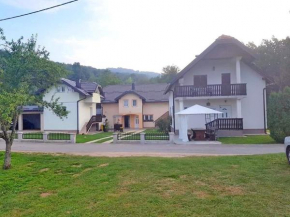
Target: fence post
x=45, y=136
x=171, y=137
x=142, y=138
x=72, y=137
x=19, y=136
x=115, y=137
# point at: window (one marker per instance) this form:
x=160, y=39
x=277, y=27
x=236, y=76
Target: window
x=134, y=102
x=148, y=118
x=200, y=80
x=99, y=109
x=126, y=103
x=60, y=89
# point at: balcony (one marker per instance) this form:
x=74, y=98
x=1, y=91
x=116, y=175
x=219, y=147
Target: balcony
x=211, y=90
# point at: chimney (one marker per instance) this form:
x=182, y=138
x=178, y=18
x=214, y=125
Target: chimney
x=133, y=86
x=78, y=83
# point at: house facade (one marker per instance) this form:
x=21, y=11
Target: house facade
x=81, y=99
x=223, y=78
x=135, y=106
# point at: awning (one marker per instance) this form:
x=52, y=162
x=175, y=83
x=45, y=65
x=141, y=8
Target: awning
x=198, y=110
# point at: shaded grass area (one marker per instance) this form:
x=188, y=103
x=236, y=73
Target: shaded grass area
x=257, y=139
x=46, y=185
x=87, y=138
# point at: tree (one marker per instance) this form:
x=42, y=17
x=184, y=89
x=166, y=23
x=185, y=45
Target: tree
x=80, y=72
x=274, y=60
x=168, y=74
x=278, y=115
x=108, y=78
x=25, y=74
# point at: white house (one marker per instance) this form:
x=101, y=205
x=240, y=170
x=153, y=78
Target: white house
x=81, y=99
x=223, y=78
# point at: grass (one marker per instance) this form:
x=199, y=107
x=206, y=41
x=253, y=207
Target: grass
x=259, y=139
x=152, y=130
x=87, y=138
x=47, y=185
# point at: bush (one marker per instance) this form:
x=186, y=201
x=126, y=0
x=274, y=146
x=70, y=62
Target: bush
x=279, y=115
x=164, y=124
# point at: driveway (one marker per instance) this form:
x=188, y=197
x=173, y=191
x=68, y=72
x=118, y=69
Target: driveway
x=161, y=150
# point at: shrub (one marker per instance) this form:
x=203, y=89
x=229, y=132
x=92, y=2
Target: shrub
x=164, y=124
x=279, y=115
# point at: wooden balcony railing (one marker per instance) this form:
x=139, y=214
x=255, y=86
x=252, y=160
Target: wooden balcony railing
x=211, y=90
x=225, y=124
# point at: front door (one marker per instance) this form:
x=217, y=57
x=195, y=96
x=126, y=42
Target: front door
x=226, y=84
x=226, y=111
x=137, y=122
x=127, y=121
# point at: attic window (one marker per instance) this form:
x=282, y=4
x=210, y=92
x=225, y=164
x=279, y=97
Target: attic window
x=61, y=89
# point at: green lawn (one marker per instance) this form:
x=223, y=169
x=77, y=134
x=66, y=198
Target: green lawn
x=46, y=185
x=260, y=139
x=152, y=130
x=87, y=138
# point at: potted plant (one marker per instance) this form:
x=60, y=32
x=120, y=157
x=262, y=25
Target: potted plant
x=106, y=126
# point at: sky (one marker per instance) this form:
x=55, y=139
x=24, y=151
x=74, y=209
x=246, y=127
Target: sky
x=143, y=35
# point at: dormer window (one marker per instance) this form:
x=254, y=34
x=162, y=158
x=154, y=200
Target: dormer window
x=134, y=103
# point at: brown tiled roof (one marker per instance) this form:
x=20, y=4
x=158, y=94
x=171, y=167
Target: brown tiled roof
x=148, y=92
x=86, y=88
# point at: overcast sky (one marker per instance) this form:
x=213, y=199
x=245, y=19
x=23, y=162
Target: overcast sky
x=142, y=34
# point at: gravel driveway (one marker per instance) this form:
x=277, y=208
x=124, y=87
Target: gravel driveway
x=162, y=150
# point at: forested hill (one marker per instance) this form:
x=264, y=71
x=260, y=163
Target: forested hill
x=112, y=76
x=131, y=71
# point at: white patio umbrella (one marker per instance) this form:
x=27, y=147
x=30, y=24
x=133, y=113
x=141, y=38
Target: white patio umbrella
x=193, y=110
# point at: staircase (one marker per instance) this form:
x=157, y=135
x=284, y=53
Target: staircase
x=225, y=126
x=164, y=116
x=94, y=119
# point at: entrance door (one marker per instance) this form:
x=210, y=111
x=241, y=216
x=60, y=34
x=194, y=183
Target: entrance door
x=127, y=121
x=226, y=84
x=226, y=111
x=136, y=121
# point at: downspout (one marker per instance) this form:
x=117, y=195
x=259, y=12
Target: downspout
x=264, y=109
x=264, y=105
x=173, y=111
x=78, y=131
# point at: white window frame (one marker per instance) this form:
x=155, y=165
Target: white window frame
x=133, y=102
x=148, y=118
x=126, y=104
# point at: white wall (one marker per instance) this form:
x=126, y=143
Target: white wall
x=252, y=105
x=69, y=99
x=205, y=67
x=86, y=110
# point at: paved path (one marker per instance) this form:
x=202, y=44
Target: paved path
x=162, y=150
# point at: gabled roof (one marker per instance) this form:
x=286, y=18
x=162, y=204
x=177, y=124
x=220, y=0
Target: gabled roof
x=220, y=41
x=129, y=92
x=86, y=88
x=147, y=92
